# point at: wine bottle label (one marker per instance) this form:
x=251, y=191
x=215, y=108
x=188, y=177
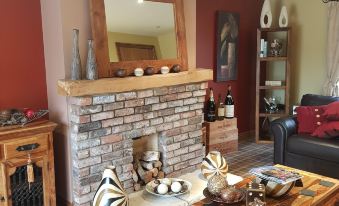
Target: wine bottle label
x=210, y=116
x=221, y=111
x=229, y=113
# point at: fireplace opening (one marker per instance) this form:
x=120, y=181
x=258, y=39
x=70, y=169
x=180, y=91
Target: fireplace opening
x=147, y=164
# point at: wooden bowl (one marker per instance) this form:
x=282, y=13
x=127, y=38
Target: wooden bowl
x=5, y=114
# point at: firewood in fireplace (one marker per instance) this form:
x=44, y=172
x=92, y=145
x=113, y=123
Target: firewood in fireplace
x=155, y=172
x=157, y=164
x=146, y=165
x=149, y=156
x=135, y=176
x=161, y=175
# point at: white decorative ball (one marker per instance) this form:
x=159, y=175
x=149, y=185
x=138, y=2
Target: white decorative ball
x=138, y=72
x=164, y=70
x=162, y=189
x=176, y=187
x=166, y=181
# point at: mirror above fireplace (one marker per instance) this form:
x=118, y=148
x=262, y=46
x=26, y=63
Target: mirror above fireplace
x=129, y=35
x=145, y=32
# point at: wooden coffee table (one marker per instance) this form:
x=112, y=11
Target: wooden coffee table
x=325, y=196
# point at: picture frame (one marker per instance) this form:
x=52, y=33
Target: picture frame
x=227, y=45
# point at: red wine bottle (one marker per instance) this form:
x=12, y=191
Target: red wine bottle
x=210, y=108
x=229, y=104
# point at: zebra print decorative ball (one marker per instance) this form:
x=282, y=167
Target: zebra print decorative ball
x=214, y=164
x=274, y=189
x=110, y=191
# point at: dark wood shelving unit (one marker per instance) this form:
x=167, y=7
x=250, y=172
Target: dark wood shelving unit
x=262, y=119
x=267, y=59
x=272, y=87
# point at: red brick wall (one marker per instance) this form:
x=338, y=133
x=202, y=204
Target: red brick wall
x=244, y=87
x=22, y=66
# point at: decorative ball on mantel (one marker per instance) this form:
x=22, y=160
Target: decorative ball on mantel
x=138, y=72
x=120, y=73
x=149, y=71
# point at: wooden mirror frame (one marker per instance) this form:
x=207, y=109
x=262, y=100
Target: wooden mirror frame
x=100, y=37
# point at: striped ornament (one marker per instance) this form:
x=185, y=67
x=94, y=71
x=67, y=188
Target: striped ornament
x=110, y=191
x=274, y=189
x=214, y=164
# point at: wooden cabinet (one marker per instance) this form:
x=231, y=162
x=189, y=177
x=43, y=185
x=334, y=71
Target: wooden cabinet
x=221, y=136
x=271, y=68
x=18, y=145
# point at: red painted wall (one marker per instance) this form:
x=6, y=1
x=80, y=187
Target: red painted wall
x=22, y=66
x=244, y=87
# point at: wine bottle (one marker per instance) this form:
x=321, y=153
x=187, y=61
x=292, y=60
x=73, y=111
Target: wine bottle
x=210, y=108
x=221, y=109
x=229, y=104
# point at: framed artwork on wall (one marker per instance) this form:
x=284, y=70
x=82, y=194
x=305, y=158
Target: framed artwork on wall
x=227, y=46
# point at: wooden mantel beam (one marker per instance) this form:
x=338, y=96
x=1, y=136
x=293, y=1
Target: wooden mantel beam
x=116, y=85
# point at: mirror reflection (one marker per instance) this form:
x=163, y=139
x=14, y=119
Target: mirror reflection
x=140, y=31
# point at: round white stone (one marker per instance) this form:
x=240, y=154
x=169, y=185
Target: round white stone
x=162, y=189
x=176, y=187
x=166, y=181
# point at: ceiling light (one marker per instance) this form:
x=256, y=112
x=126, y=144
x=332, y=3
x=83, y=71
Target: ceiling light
x=140, y=1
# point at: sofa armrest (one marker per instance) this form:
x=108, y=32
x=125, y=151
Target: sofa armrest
x=282, y=129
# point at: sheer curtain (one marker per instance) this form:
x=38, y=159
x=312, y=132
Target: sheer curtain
x=331, y=86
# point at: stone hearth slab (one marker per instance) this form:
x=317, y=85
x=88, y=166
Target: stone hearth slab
x=142, y=198
x=199, y=183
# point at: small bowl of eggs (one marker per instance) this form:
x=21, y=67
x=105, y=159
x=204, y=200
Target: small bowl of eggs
x=168, y=187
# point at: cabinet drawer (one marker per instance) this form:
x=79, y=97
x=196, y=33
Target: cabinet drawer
x=18, y=148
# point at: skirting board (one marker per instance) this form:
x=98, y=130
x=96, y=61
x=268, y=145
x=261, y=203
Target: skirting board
x=63, y=202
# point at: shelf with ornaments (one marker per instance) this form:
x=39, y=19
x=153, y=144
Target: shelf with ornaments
x=273, y=65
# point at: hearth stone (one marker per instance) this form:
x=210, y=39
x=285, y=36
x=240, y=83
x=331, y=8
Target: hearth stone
x=103, y=126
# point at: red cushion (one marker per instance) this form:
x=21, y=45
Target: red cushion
x=332, y=111
x=327, y=130
x=309, y=118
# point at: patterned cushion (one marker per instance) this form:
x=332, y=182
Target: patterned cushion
x=309, y=118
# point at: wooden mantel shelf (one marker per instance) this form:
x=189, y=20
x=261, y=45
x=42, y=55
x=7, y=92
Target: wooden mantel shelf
x=115, y=85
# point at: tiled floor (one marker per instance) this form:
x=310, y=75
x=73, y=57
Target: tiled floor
x=249, y=155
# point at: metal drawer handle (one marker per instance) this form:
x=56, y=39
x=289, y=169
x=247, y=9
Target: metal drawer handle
x=27, y=147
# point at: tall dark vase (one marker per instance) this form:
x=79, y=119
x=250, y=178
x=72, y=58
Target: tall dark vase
x=110, y=191
x=91, y=66
x=76, y=62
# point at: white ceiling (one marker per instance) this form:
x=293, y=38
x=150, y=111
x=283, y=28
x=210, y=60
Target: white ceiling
x=148, y=18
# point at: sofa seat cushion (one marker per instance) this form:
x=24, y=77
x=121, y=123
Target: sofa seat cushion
x=325, y=149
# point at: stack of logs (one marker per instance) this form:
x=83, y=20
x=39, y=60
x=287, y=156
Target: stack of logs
x=147, y=167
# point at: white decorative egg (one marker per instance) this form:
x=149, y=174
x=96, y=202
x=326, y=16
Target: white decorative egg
x=166, y=181
x=164, y=70
x=138, y=72
x=176, y=187
x=162, y=189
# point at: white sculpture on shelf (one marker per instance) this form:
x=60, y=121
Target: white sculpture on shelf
x=283, y=19
x=266, y=12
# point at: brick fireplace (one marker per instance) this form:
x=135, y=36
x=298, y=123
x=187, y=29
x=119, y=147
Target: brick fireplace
x=103, y=128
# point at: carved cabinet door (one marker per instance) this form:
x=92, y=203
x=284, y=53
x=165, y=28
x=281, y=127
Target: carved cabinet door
x=16, y=189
